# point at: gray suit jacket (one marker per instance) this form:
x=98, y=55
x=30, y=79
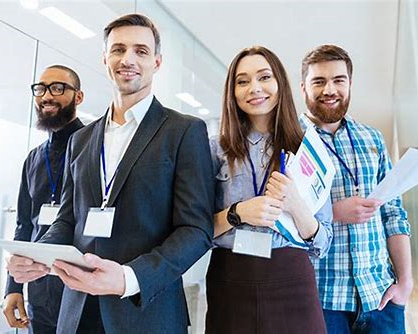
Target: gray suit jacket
x=164, y=199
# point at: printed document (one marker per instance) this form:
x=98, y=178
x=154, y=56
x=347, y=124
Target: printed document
x=312, y=171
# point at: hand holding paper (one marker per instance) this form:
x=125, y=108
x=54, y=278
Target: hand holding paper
x=400, y=179
x=284, y=189
x=312, y=172
x=355, y=210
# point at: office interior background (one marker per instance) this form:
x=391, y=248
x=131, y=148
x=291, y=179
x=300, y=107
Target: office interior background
x=199, y=39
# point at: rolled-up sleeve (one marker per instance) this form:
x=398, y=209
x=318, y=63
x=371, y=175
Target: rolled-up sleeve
x=321, y=243
x=394, y=216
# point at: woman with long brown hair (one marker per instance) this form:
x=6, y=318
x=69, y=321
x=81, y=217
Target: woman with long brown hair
x=258, y=281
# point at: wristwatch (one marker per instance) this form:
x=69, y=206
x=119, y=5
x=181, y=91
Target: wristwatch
x=311, y=239
x=232, y=216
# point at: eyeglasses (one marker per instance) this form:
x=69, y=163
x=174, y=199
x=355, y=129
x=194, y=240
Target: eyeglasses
x=54, y=88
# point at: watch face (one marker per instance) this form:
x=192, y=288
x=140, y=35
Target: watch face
x=233, y=219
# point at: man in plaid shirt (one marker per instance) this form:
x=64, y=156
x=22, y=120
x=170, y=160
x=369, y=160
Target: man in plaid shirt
x=366, y=279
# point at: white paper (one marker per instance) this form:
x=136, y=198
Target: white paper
x=99, y=222
x=312, y=171
x=253, y=243
x=400, y=179
x=48, y=214
x=285, y=225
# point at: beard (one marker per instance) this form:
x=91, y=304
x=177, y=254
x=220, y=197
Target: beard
x=55, y=122
x=326, y=114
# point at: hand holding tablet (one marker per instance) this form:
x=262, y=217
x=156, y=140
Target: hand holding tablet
x=34, y=260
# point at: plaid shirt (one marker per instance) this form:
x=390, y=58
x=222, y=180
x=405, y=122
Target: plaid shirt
x=357, y=268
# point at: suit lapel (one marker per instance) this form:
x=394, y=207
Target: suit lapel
x=94, y=149
x=153, y=120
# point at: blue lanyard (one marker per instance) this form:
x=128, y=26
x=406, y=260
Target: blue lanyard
x=354, y=177
x=53, y=184
x=107, y=185
x=258, y=192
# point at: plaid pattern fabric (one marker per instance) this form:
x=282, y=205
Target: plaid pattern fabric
x=357, y=269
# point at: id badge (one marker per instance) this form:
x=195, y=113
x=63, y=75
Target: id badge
x=99, y=222
x=253, y=243
x=48, y=214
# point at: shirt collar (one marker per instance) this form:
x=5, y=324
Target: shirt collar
x=254, y=137
x=62, y=135
x=136, y=112
x=306, y=121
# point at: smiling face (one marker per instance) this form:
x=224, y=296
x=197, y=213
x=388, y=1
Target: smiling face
x=256, y=89
x=131, y=60
x=54, y=112
x=327, y=91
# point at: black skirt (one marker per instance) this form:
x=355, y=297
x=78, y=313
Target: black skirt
x=248, y=294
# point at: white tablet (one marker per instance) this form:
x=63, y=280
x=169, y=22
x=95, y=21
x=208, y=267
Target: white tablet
x=45, y=253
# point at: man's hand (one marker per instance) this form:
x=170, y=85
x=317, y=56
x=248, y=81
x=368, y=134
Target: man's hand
x=106, y=279
x=12, y=302
x=24, y=270
x=398, y=293
x=355, y=210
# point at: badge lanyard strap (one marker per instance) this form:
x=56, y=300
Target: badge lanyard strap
x=107, y=186
x=354, y=177
x=53, y=185
x=258, y=192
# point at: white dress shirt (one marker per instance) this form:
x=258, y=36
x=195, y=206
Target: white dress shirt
x=117, y=138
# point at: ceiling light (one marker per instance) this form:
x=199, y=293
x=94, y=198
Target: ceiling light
x=67, y=22
x=203, y=111
x=29, y=4
x=189, y=99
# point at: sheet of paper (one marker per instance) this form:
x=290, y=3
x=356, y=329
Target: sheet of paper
x=400, y=179
x=312, y=171
x=286, y=227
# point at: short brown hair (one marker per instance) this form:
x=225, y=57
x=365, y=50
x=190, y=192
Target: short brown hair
x=324, y=53
x=284, y=128
x=134, y=20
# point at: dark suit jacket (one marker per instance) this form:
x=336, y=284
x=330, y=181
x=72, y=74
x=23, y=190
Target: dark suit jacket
x=164, y=199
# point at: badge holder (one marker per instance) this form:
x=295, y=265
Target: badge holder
x=99, y=221
x=253, y=243
x=48, y=213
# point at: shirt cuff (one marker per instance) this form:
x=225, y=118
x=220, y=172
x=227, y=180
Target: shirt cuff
x=320, y=242
x=131, y=283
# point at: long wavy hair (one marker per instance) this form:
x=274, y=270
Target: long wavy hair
x=284, y=128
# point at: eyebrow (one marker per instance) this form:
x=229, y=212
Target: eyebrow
x=51, y=83
x=260, y=70
x=135, y=45
x=342, y=76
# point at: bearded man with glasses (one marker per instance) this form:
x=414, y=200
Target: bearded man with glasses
x=56, y=97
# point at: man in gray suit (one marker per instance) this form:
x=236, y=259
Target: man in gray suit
x=138, y=195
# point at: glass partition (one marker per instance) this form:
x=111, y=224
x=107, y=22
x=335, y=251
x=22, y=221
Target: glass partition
x=405, y=105
x=16, y=66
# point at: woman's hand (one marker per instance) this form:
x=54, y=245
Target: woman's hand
x=259, y=211
x=282, y=188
